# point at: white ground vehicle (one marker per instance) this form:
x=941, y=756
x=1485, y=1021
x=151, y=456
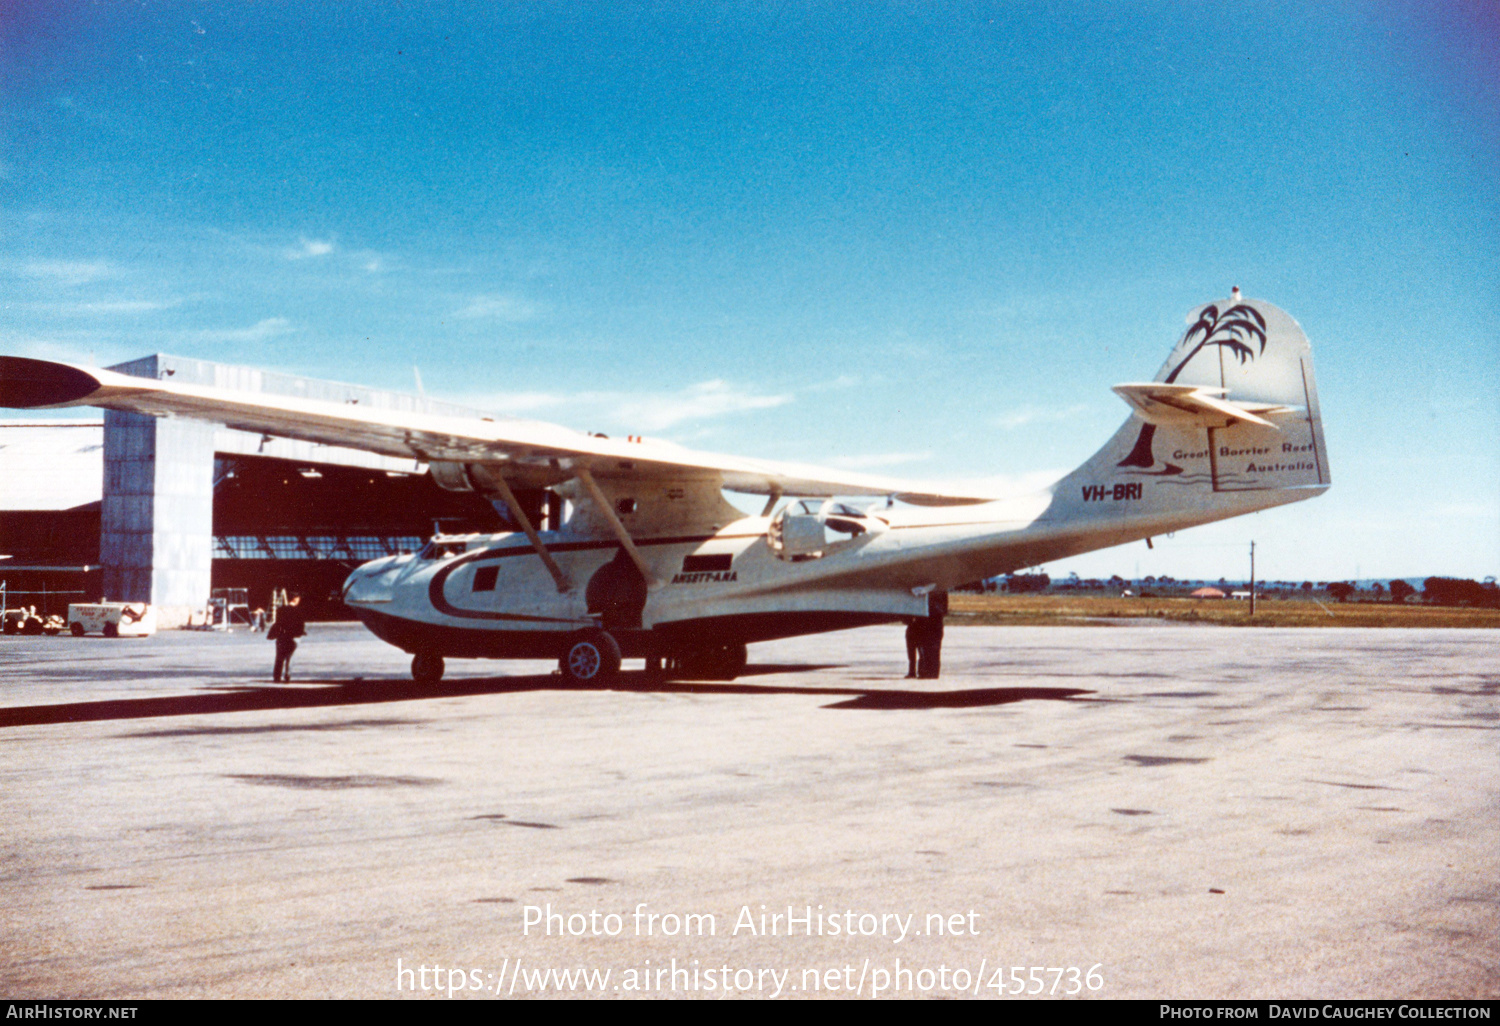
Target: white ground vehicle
x=112, y=619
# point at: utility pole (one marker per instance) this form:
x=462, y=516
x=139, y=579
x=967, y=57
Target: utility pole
x=1252, y=578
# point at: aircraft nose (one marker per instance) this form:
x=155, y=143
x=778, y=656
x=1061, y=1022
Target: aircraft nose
x=372, y=582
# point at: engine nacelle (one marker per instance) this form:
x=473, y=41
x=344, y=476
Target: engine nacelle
x=451, y=477
x=467, y=477
x=809, y=530
x=541, y=506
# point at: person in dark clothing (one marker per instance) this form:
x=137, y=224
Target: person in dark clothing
x=290, y=625
x=929, y=632
x=913, y=645
x=930, y=647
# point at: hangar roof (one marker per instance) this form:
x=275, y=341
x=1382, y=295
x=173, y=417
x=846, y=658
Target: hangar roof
x=249, y=443
x=51, y=464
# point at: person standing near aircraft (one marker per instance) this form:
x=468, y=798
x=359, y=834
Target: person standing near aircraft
x=924, y=639
x=290, y=625
x=930, y=635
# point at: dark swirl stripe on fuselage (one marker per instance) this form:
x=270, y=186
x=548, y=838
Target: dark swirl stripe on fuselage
x=442, y=605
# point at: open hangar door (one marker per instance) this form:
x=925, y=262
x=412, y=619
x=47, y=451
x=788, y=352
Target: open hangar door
x=302, y=527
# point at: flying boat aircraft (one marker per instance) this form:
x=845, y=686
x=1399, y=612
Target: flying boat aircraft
x=655, y=563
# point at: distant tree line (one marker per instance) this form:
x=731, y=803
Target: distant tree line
x=1021, y=583
x=1451, y=591
x=1437, y=591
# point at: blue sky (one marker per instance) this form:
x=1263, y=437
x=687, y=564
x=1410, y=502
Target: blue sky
x=915, y=239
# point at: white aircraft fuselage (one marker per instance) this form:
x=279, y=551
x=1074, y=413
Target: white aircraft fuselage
x=654, y=563
x=489, y=596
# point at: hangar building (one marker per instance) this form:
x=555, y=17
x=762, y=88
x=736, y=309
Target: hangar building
x=162, y=510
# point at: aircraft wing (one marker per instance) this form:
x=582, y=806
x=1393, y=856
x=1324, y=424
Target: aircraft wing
x=528, y=452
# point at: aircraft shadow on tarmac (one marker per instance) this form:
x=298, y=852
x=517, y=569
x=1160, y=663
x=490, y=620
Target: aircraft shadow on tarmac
x=334, y=692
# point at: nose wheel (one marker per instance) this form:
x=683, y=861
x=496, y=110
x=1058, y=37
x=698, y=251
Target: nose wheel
x=426, y=668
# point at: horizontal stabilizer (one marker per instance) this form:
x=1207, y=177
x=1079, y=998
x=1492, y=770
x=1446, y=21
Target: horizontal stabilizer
x=1195, y=405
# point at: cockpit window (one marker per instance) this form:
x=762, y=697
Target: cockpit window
x=442, y=549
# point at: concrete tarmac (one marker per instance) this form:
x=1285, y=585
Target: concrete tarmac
x=1141, y=811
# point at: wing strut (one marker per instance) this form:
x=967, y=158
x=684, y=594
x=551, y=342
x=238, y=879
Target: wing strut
x=772, y=500
x=503, y=487
x=602, y=502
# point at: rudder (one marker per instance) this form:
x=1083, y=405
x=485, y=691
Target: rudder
x=1234, y=409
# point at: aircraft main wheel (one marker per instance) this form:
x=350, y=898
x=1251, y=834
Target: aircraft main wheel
x=718, y=662
x=592, y=657
x=426, y=668
x=729, y=661
x=76, y=629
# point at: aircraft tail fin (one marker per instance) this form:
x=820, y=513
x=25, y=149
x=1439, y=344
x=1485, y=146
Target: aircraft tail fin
x=1230, y=424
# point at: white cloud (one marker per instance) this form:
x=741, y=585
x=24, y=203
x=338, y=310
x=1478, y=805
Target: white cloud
x=503, y=307
x=633, y=412
x=696, y=402
x=1466, y=511
x=65, y=351
x=369, y=260
x=310, y=248
x=121, y=306
x=261, y=330
x=65, y=272
x=842, y=381
x=1034, y=415
x=886, y=459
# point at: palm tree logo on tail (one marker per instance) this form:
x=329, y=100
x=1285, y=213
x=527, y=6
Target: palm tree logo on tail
x=1237, y=329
